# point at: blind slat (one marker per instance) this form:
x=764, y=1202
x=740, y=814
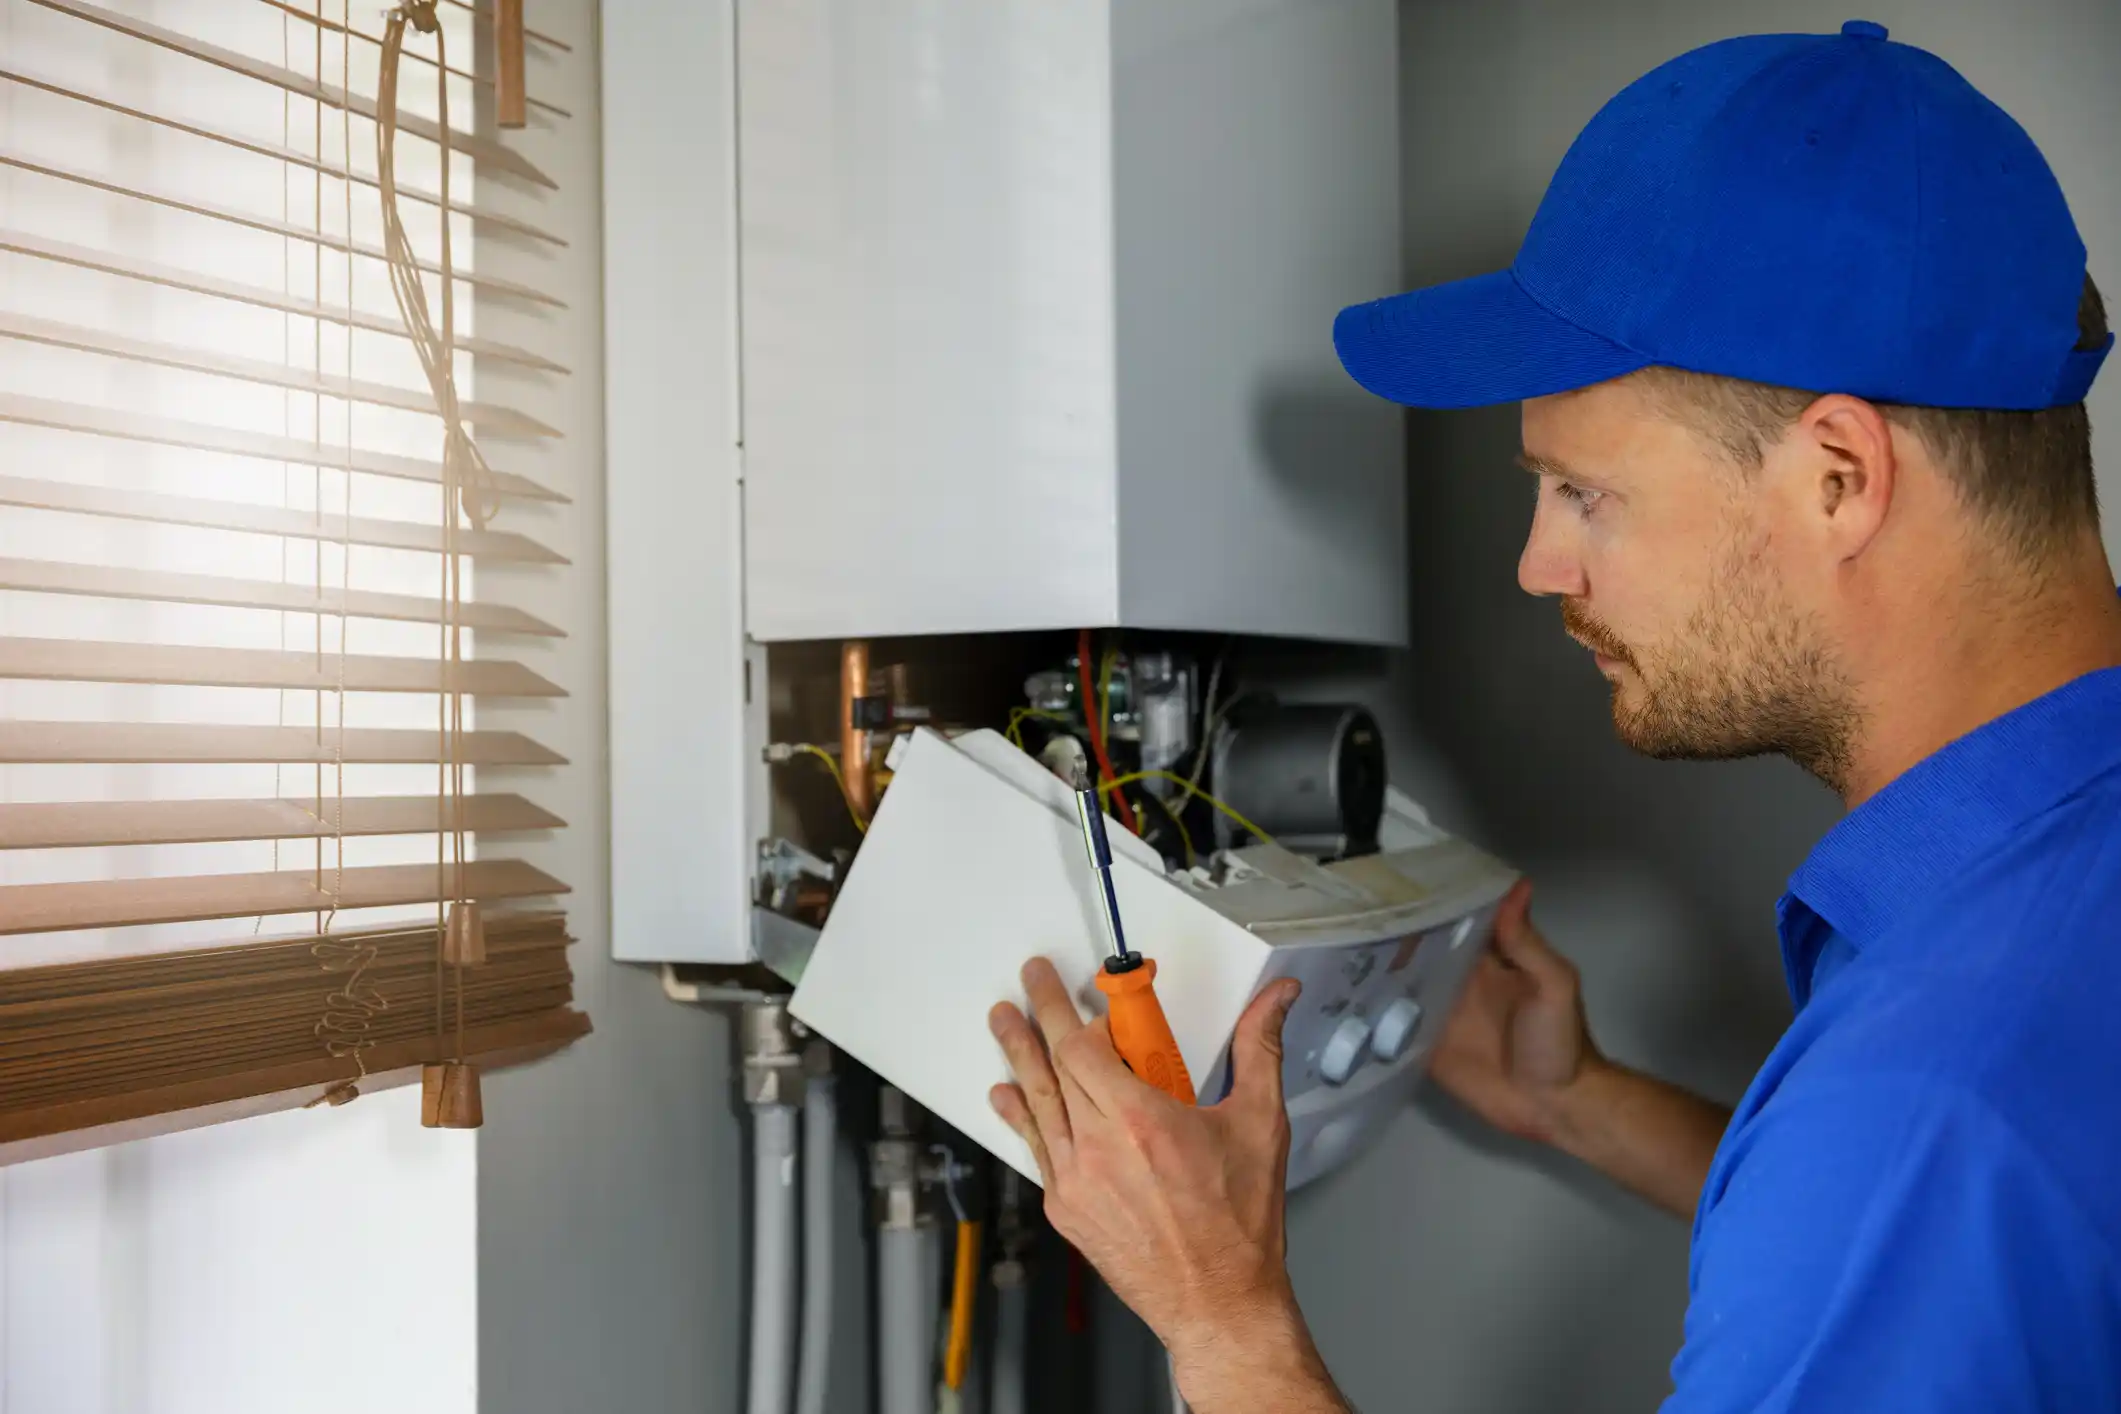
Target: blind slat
x=91, y=823
x=184, y=665
x=264, y=520
x=143, y=743
x=67, y=1071
x=100, y=978
x=479, y=149
x=158, y=1002
x=198, y=437
x=29, y=329
x=53, y=1062
x=110, y=582
x=332, y=26
x=308, y=161
x=289, y=230
x=192, y=282
x=125, y=903
x=63, y=1128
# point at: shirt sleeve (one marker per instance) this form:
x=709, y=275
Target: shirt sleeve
x=1889, y=1244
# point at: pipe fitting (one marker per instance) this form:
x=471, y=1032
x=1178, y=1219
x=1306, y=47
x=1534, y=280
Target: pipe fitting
x=773, y=1054
x=897, y=1165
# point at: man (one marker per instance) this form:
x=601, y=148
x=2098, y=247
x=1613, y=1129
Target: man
x=1895, y=578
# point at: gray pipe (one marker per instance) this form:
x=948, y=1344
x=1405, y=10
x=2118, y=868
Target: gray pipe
x=905, y=1314
x=773, y=1257
x=1012, y=1316
x=820, y=1172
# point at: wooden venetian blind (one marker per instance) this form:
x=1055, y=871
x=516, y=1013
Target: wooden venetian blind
x=247, y=490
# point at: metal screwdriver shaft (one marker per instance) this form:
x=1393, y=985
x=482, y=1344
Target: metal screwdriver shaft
x=1140, y=1030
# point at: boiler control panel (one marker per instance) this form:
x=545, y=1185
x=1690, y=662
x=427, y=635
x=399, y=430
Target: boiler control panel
x=1379, y=976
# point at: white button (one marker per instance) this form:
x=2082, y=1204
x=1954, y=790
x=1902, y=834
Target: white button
x=1344, y=1050
x=1395, y=1030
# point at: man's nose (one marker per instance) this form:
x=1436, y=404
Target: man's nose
x=1550, y=564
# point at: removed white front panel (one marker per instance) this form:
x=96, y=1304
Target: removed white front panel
x=966, y=875
x=975, y=863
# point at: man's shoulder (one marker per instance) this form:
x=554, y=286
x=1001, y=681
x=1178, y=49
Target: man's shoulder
x=2017, y=960
x=2004, y=1029
x=1871, y=1217
x=2061, y=866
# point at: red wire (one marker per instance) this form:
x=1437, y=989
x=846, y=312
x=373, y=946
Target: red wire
x=1093, y=714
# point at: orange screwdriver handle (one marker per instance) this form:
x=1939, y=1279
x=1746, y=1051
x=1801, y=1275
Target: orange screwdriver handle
x=1141, y=1032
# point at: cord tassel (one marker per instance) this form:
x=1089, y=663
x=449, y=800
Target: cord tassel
x=449, y=1096
x=464, y=939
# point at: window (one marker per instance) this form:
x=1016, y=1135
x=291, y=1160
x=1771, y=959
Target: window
x=226, y=843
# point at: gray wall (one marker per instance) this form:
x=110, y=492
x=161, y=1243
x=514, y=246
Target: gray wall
x=1452, y=1271
x=1448, y=1273
x=613, y=1178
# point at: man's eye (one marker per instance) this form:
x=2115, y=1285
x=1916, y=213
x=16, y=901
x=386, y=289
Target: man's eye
x=1584, y=499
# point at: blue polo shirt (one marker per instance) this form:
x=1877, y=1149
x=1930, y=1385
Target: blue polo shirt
x=1917, y=1206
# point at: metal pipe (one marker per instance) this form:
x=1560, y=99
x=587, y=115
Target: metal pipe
x=821, y=1169
x=773, y=1258
x=854, y=738
x=905, y=1308
x=1008, y=1391
x=906, y=1273
x=1012, y=1314
x=773, y=1087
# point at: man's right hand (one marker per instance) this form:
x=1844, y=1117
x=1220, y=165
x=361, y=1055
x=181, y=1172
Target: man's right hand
x=1518, y=1053
x=1518, y=1043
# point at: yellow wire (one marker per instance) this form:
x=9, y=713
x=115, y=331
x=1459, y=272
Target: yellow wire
x=839, y=779
x=1015, y=730
x=1191, y=791
x=1185, y=836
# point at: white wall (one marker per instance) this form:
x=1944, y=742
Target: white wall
x=321, y=1261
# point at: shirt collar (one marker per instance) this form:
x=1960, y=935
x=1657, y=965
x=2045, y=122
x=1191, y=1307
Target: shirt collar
x=1904, y=844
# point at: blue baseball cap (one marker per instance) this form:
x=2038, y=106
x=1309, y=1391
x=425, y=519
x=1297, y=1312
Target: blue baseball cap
x=1836, y=213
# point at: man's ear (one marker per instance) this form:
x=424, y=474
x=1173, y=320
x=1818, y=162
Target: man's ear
x=1851, y=470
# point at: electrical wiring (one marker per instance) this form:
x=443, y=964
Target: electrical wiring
x=838, y=778
x=1178, y=825
x=1018, y=716
x=1192, y=792
x=1096, y=730
x=1105, y=665
x=1208, y=711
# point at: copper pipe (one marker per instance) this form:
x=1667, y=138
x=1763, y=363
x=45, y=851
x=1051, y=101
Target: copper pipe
x=854, y=741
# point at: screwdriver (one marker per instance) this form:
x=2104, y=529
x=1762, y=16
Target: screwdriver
x=1128, y=980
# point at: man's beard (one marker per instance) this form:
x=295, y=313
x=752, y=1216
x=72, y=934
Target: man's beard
x=1746, y=676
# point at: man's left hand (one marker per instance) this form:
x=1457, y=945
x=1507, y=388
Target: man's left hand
x=1180, y=1208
